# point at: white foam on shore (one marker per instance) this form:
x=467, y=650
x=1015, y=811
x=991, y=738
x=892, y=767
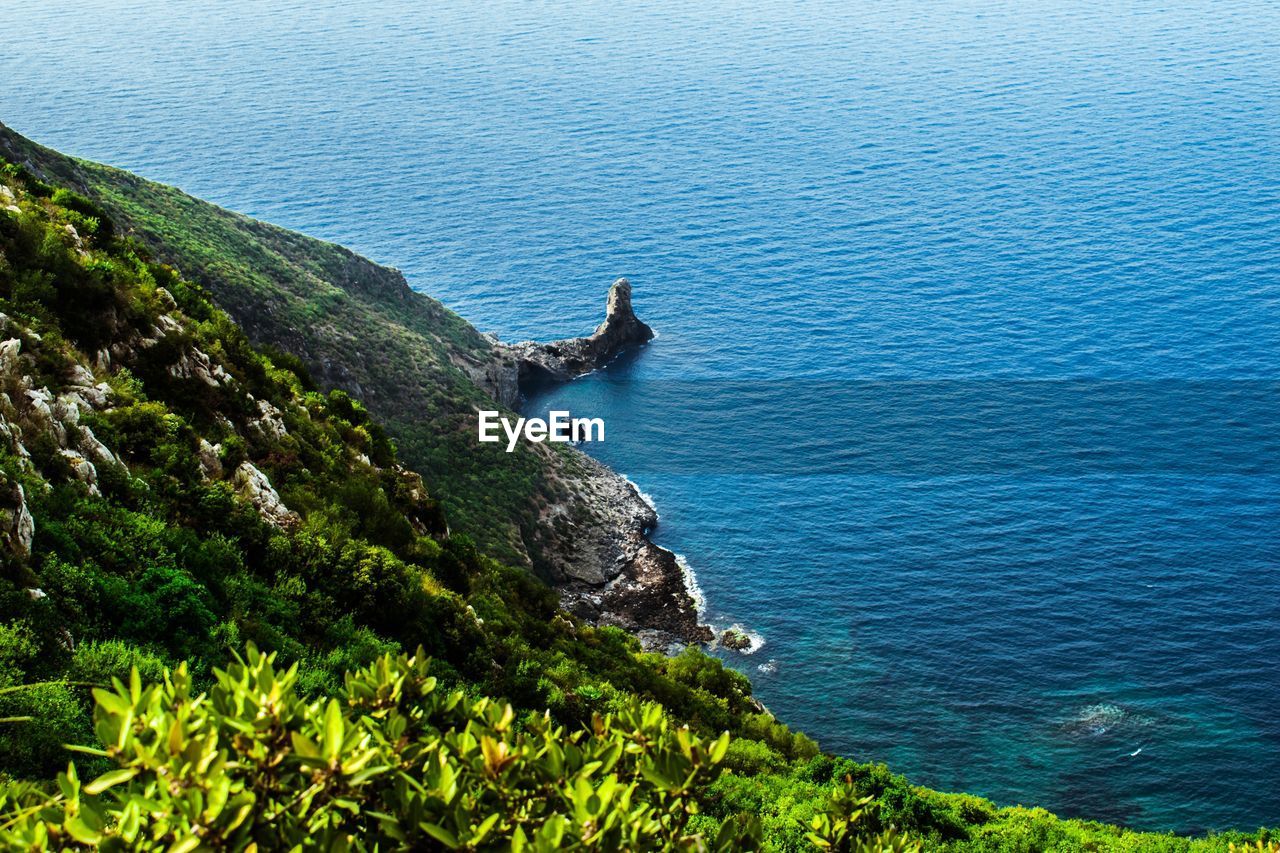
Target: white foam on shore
x=691, y=584
x=755, y=639
x=644, y=496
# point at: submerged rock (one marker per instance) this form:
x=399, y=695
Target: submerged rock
x=736, y=639
x=1103, y=718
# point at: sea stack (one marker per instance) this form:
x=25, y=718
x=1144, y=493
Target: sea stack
x=621, y=327
x=560, y=361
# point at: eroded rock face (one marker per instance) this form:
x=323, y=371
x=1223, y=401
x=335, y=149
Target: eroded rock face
x=17, y=527
x=610, y=573
x=210, y=463
x=82, y=469
x=196, y=364
x=596, y=538
x=9, y=351
x=621, y=327
x=270, y=421
x=565, y=359
x=39, y=403
x=94, y=449
x=256, y=488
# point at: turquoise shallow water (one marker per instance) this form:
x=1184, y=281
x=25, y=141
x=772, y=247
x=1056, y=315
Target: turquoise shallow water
x=969, y=313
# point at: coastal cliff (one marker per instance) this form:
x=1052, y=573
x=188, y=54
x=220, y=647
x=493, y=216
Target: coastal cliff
x=611, y=574
x=606, y=567
x=423, y=371
x=190, y=519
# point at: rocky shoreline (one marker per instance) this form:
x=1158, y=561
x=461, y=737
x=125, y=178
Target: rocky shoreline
x=606, y=568
x=629, y=582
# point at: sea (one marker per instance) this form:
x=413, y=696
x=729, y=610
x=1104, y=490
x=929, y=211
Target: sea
x=963, y=403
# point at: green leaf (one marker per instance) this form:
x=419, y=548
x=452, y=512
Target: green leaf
x=444, y=836
x=655, y=777
x=484, y=828
x=333, y=727
x=113, y=702
x=304, y=746
x=113, y=777
x=719, y=748
x=552, y=832
x=81, y=831
x=186, y=845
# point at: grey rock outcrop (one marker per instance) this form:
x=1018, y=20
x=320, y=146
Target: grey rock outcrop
x=40, y=411
x=210, y=463
x=613, y=574
x=605, y=566
x=270, y=421
x=560, y=361
x=94, y=449
x=82, y=469
x=9, y=351
x=256, y=488
x=17, y=527
x=196, y=364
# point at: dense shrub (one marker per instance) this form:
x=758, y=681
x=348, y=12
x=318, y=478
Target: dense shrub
x=389, y=762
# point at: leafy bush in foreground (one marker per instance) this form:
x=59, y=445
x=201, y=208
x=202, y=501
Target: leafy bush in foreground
x=390, y=762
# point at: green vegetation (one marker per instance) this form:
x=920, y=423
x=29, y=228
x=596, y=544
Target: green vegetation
x=324, y=304
x=389, y=762
x=140, y=552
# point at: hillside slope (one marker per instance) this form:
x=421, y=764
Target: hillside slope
x=423, y=372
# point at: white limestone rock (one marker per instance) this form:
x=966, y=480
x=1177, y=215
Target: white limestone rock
x=9, y=351
x=82, y=469
x=254, y=486
x=17, y=527
x=210, y=463
x=95, y=449
x=270, y=421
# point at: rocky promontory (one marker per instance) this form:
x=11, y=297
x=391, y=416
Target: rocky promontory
x=605, y=566
x=529, y=364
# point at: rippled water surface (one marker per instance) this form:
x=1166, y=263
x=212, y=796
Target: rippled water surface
x=1026, y=254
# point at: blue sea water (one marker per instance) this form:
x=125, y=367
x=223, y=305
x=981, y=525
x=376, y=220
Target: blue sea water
x=964, y=398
